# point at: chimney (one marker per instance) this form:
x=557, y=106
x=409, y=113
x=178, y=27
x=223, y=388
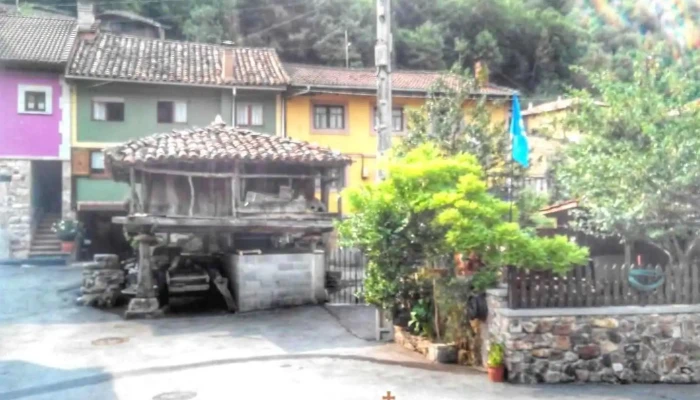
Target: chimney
x=481, y=73
x=227, y=64
x=86, y=15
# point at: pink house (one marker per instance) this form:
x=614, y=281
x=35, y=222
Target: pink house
x=35, y=110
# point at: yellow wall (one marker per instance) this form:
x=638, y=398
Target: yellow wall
x=359, y=140
x=546, y=134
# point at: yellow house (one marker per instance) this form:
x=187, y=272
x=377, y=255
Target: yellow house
x=547, y=133
x=335, y=107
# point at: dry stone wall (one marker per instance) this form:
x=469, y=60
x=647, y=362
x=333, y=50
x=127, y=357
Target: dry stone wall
x=607, y=344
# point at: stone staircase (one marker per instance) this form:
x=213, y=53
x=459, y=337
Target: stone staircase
x=44, y=242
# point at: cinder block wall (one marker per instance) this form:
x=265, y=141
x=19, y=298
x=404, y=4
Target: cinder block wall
x=266, y=281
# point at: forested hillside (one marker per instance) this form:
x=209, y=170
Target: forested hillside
x=528, y=44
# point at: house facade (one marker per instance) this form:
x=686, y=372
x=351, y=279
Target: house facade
x=126, y=87
x=35, y=111
x=335, y=107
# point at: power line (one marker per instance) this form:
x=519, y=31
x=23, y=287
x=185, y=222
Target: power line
x=282, y=23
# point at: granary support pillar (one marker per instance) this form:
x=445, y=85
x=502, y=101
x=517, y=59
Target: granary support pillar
x=145, y=303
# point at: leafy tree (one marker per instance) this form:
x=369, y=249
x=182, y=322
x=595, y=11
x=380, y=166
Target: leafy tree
x=636, y=170
x=435, y=204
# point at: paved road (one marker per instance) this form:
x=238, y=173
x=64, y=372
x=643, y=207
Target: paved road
x=52, y=349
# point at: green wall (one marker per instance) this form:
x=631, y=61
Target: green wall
x=140, y=102
x=88, y=189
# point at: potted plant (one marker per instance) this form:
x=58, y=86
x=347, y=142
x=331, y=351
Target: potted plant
x=495, y=362
x=66, y=231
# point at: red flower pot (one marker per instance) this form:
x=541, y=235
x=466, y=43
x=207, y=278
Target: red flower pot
x=496, y=374
x=67, y=247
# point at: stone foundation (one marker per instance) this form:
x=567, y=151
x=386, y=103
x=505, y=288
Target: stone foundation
x=435, y=352
x=15, y=208
x=103, y=280
x=263, y=281
x=605, y=344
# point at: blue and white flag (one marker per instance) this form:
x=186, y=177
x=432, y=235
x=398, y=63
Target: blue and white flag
x=521, y=151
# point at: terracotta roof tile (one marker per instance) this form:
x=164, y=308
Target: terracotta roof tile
x=220, y=142
x=36, y=39
x=166, y=61
x=365, y=79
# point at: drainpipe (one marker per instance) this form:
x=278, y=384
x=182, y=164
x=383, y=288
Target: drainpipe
x=233, y=106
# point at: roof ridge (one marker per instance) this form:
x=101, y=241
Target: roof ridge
x=57, y=18
x=366, y=69
x=220, y=46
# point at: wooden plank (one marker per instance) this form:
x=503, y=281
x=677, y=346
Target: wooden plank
x=192, y=196
x=605, y=282
x=625, y=298
x=687, y=283
x=677, y=278
x=589, y=286
x=571, y=298
x=524, y=287
x=695, y=281
x=659, y=292
x=512, y=288
x=132, y=191
x=561, y=290
x=580, y=295
x=668, y=285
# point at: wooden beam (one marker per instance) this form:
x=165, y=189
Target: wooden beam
x=189, y=179
x=144, y=203
x=325, y=189
x=132, y=190
x=222, y=175
x=236, y=188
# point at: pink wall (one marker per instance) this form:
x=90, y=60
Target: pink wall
x=28, y=135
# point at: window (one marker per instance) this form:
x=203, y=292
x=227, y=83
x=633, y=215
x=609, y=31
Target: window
x=396, y=119
x=34, y=99
x=329, y=117
x=172, y=111
x=105, y=109
x=250, y=114
x=97, y=161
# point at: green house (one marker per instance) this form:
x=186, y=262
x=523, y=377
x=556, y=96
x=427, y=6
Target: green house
x=125, y=87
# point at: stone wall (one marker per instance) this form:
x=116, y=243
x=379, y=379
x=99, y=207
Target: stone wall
x=66, y=194
x=276, y=280
x=103, y=281
x=605, y=344
x=15, y=208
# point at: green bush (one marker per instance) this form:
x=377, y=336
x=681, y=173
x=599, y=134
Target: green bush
x=67, y=229
x=496, y=355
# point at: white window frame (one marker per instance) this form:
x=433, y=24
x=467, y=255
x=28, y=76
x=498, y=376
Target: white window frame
x=176, y=103
x=23, y=89
x=96, y=100
x=247, y=107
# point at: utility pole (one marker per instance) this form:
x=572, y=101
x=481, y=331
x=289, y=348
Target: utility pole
x=347, y=50
x=382, y=59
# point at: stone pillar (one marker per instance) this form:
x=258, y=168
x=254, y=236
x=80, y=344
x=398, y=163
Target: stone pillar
x=492, y=330
x=15, y=207
x=66, y=190
x=145, y=304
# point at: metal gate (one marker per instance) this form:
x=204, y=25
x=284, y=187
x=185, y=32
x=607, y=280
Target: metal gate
x=345, y=275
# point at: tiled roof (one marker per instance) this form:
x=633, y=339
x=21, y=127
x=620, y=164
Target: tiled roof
x=559, y=104
x=165, y=61
x=219, y=142
x=36, y=39
x=366, y=79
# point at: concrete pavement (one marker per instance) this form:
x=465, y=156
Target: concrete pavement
x=52, y=349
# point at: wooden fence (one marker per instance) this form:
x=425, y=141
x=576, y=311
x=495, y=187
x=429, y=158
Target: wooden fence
x=604, y=285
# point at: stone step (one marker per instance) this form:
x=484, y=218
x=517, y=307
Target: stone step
x=45, y=235
x=43, y=248
x=47, y=242
x=43, y=253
